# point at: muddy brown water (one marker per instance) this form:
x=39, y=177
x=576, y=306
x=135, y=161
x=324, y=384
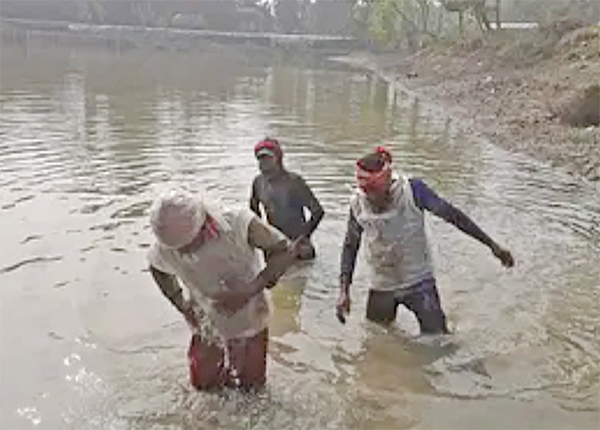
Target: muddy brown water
x=87, y=340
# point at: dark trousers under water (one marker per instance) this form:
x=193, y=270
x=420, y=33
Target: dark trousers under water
x=422, y=299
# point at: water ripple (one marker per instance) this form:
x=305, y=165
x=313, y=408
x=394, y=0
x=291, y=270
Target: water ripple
x=29, y=261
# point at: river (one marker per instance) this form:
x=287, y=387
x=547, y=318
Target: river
x=87, y=137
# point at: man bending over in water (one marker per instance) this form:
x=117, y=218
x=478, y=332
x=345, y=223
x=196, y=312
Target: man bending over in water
x=212, y=253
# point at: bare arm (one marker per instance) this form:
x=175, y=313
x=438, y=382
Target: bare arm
x=281, y=257
x=254, y=201
x=281, y=254
x=313, y=205
x=169, y=286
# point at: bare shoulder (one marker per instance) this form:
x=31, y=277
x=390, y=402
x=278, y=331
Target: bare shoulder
x=294, y=176
x=258, y=180
x=296, y=179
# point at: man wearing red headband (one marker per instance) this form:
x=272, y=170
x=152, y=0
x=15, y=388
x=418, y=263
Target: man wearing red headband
x=388, y=211
x=284, y=196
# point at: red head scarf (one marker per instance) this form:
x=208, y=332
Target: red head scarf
x=375, y=178
x=272, y=145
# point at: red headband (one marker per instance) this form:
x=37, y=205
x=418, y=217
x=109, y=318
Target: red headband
x=370, y=181
x=272, y=145
x=387, y=157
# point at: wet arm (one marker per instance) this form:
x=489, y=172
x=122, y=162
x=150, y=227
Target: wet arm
x=350, y=251
x=313, y=205
x=254, y=201
x=169, y=286
x=270, y=240
x=427, y=199
x=276, y=246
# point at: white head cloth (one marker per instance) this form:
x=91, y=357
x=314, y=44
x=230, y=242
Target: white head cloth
x=176, y=217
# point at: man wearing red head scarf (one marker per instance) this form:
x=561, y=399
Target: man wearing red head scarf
x=387, y=210
x=284, y=196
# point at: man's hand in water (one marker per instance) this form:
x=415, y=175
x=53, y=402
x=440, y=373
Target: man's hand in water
x=504, y=256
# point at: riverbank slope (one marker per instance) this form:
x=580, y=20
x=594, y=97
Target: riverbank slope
x=520, y=90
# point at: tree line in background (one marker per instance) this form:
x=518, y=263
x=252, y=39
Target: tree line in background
x=389, y=22
x=412, y=22
x=285, y=16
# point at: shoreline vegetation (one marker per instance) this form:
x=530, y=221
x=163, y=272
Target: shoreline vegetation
x=538, y=96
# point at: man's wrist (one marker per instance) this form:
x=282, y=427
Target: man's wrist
x=306, y=231
x=345, y=282
x=494, y=247
x=258, y=284
x=185, y=307
x=267, y=278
